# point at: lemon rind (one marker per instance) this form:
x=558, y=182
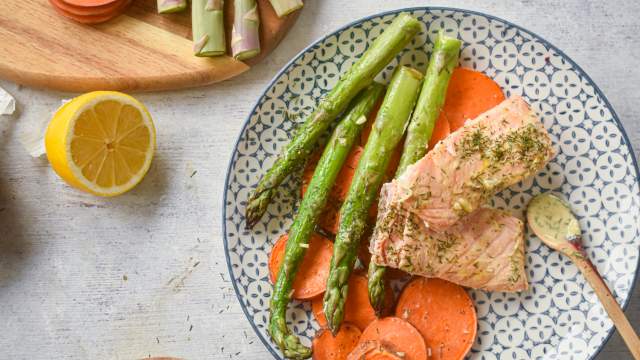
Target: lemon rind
x=97, y=97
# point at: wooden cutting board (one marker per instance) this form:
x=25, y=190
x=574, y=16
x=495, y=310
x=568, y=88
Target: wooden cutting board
x=138, y=51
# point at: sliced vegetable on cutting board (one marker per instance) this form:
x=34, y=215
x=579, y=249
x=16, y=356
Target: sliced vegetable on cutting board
x=245, y=35
x=171, y=6
x=311, y=279
x=285, y=7
x=87, y=9
x=328, y=347
x=90, y=12
x=141, y=51
x=443, y=313
x=207, y=23
x=101, y=142
x=90, y=3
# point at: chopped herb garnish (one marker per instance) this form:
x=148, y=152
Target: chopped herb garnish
x=474, y=142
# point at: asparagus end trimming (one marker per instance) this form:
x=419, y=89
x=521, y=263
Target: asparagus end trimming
x=285, y=7
x=171, y=6
x=245, y=35
x=207, y=23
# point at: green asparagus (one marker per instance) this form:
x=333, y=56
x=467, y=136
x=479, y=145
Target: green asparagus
x=434, y=89
x=311, y=207
x=387, y=132
x=285, y=7
x=245, y=35
x=207, y=23
x=361, y=75
x=171, y=6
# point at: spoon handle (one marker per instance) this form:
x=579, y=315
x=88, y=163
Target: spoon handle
x=606, y=298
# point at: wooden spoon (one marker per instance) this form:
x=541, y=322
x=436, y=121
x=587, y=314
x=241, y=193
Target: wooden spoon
x=552, y=221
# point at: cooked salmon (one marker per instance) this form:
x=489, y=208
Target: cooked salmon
x=430, y=220
x=485, y=250
x=490, y=153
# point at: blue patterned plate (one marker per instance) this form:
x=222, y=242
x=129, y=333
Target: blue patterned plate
x=560, y=316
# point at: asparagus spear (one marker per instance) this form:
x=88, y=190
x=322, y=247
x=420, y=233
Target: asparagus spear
x=171, y=6
x=245, y=36
x=361, y=74
x=285, y=7
x=387, y=132
x=311, y=207
x=434, y=89
x=207, y=21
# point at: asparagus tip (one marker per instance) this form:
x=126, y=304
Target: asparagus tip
x=288, y=343
x=256, y=206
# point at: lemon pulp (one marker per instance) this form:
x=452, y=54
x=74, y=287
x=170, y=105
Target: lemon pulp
x=101, y=142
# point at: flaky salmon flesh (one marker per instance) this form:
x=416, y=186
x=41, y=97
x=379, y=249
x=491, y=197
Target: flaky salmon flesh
x=485, y=250
x=488, y=154
x=431, y=221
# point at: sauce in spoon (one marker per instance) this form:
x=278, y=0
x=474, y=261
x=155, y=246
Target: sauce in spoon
x=552, y=221
x=550, y=218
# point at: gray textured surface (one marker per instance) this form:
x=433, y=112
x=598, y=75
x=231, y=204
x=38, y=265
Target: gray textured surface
x=144, y=274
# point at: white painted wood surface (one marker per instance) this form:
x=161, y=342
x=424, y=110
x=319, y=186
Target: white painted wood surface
x=144, y=274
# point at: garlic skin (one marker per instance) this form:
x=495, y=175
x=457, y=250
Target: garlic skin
x=7, y=103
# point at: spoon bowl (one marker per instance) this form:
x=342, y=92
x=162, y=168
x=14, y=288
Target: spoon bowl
x=552, y=221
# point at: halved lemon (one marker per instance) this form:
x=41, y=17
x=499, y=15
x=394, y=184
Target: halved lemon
x=101, y=142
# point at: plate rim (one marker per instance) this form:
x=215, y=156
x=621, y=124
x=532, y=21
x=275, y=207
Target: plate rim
x=302, y=52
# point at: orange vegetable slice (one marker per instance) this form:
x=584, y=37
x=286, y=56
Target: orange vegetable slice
x=311, y=278
x=443, y=313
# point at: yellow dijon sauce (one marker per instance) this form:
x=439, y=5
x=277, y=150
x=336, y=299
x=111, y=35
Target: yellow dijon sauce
x=552, y=219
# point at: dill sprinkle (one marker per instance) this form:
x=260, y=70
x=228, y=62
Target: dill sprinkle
x=474, y=142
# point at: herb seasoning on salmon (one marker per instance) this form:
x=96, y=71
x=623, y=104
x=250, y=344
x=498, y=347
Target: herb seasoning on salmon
x=430, y=220
x=490, y=153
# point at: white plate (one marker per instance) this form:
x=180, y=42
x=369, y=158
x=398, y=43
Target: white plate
x=560, y=316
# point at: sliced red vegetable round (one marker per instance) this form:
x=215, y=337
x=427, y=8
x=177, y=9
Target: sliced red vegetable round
x=328, y=347
x=396, y=336
x=311, y=278
x=443, y=313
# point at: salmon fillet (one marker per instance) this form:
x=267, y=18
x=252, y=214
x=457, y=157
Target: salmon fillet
x=485, y=250
x=430, y=220
x=488, y=154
